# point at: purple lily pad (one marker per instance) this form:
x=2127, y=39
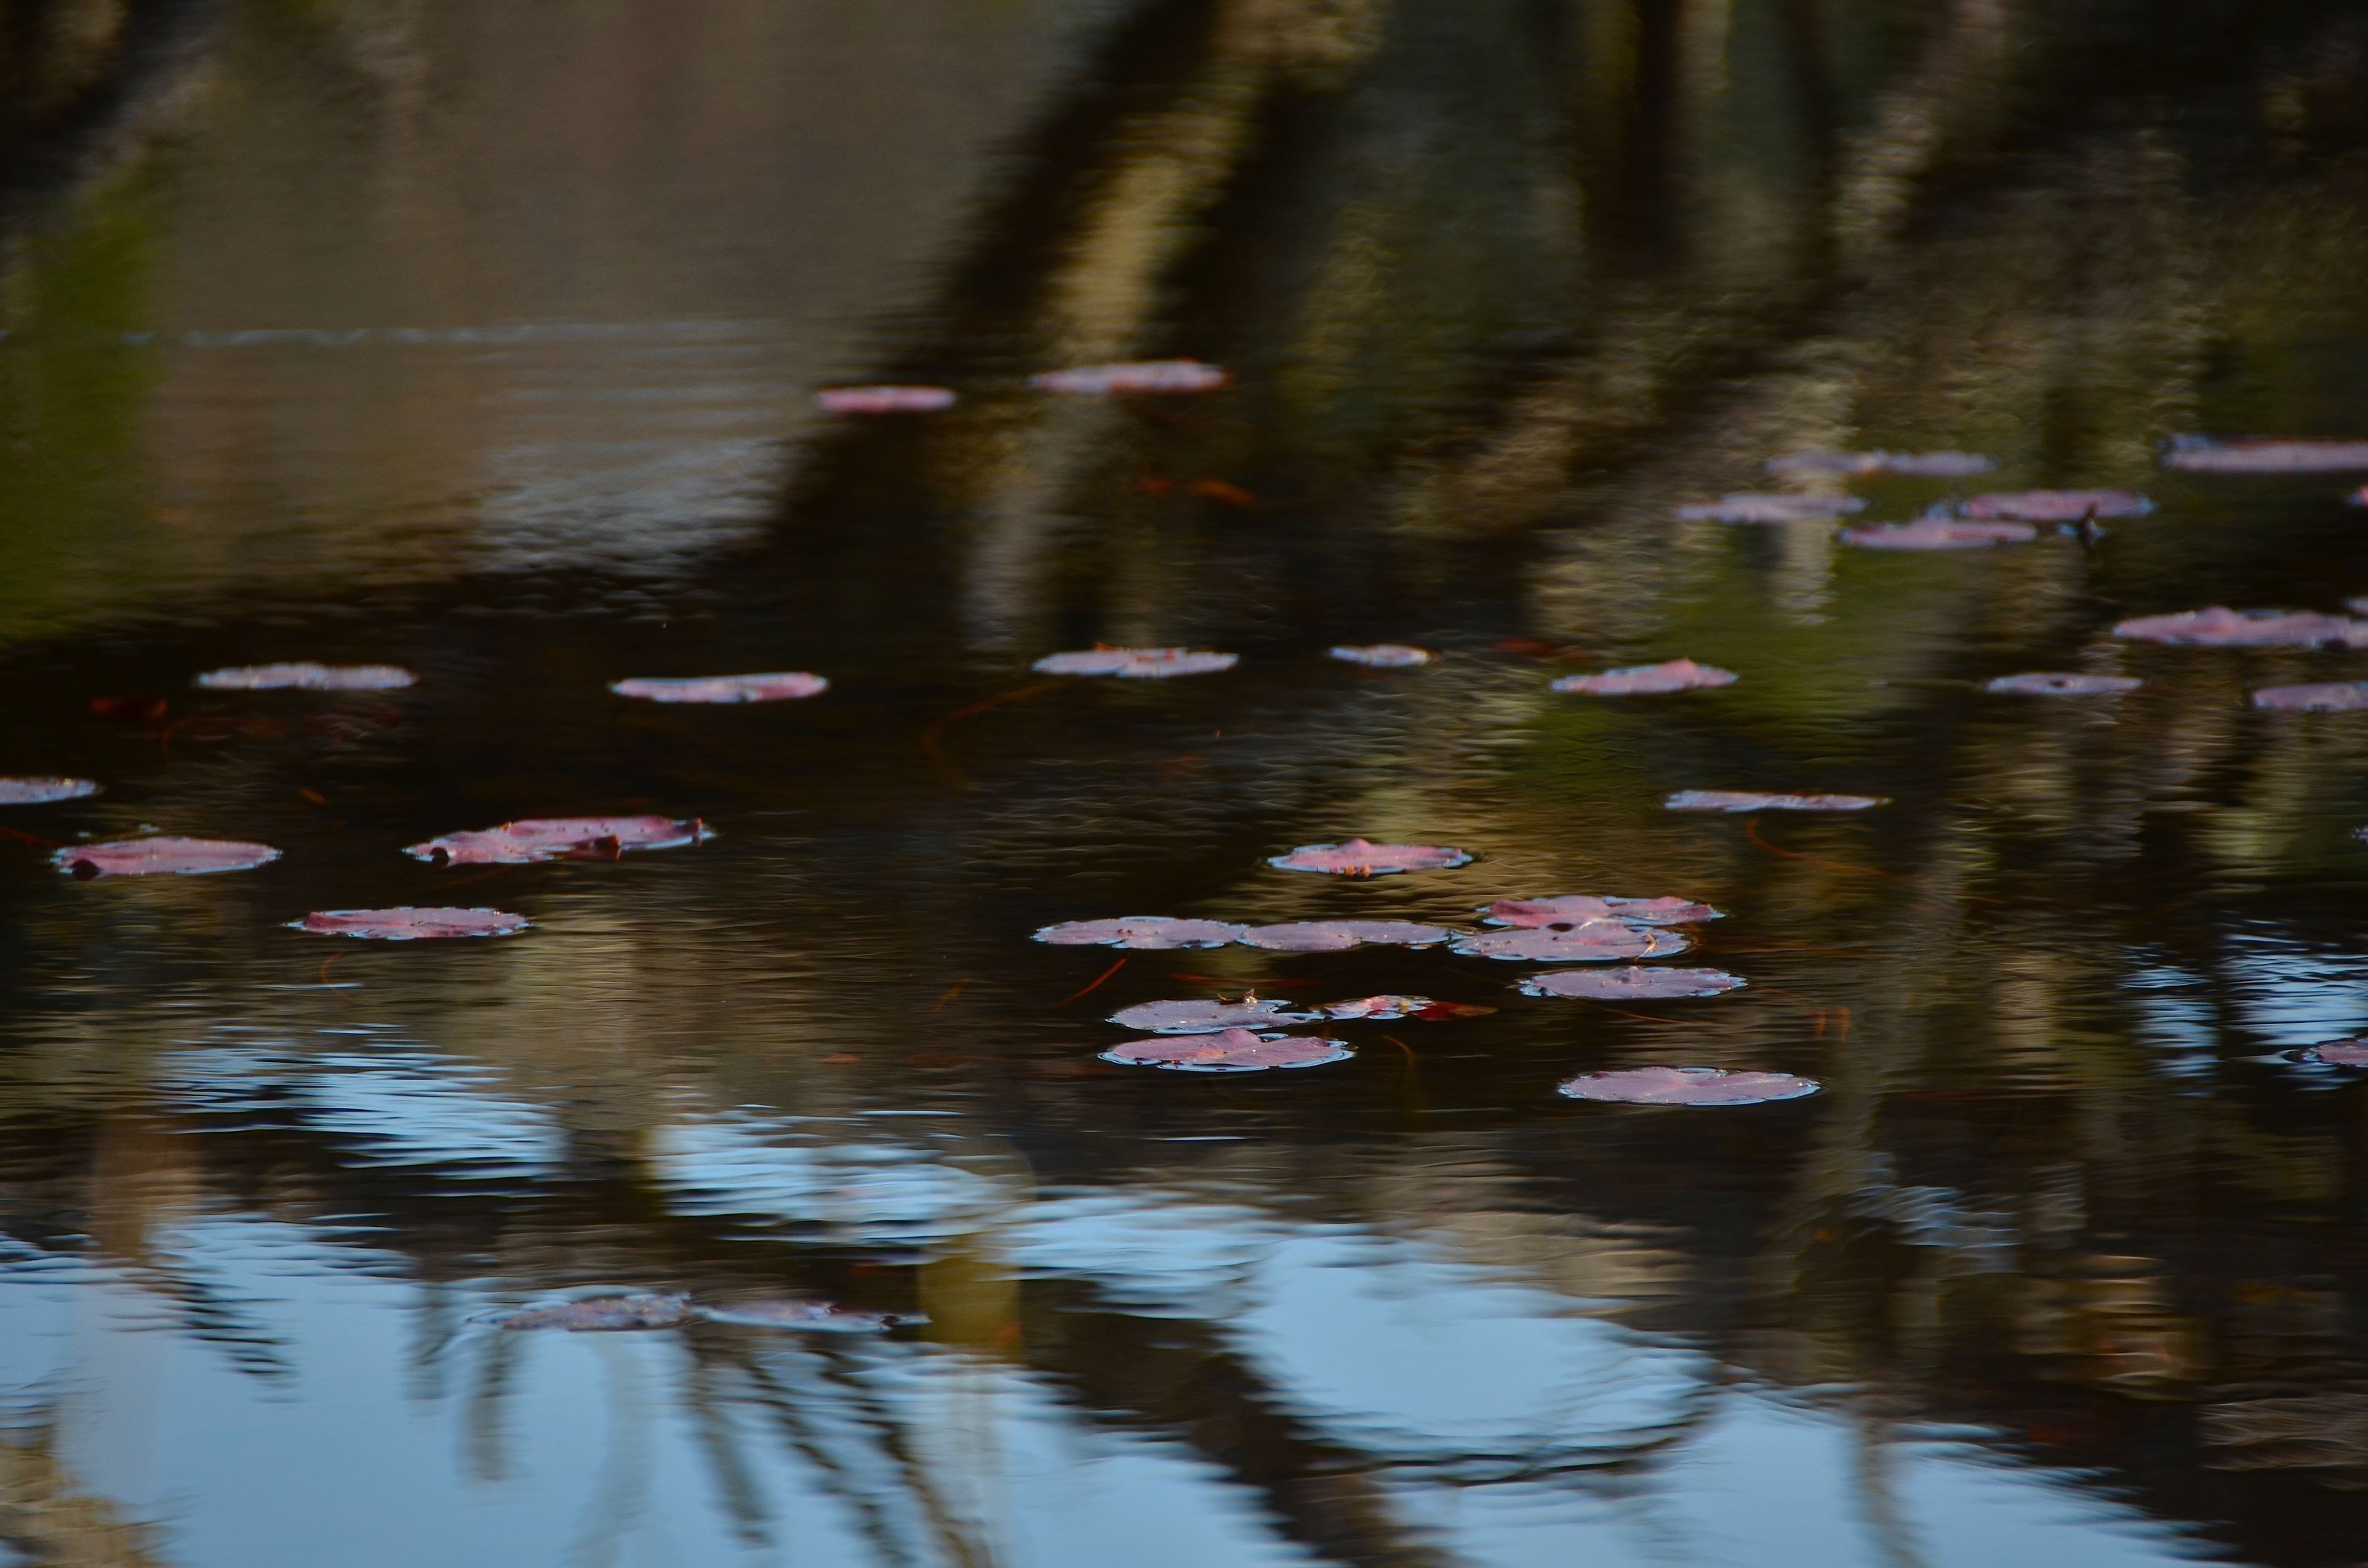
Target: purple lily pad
x=162, y=856
x=1579, y=909
x=2058, y=506
x=532, y=840
x=309, y=677
x=2060, y=684
x=1633, y=983
x=1206, y=1017
x=1849, y=465
x=2217, y=625
x=1158, y=376
x=1736, y=800
x=1381, y=1009
x=1363, y=858
x=1153, y=931
x=605, y=1314
x=1687, y=1086
x=2265, y=456
x=1939, y=533
x=1338, y=936
x=1769, y=508
x=1234, y=1050
x=779, y=687
x=2324, y=697
x=883, y=400
x=1136, y=663
x=2335, y=1054
x=1641, y=680
x=1383, y=655
x=406, y=923
x=822, y=1317
x=35, y=792
x=1604, y=941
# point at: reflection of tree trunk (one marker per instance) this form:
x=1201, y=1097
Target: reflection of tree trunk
x=46, y=1515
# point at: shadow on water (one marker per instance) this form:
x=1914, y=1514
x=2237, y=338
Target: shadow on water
x=488, y=371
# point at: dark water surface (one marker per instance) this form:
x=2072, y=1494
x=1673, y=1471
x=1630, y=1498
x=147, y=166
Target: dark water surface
x=480, y=338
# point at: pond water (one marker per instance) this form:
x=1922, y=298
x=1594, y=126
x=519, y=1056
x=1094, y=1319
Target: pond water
x=482, y=340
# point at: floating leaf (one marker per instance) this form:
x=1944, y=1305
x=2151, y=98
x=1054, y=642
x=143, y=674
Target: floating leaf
x=824, y=1317
x=2058, y=684
x=1136, y=663
x=2058, y=506
x=2217, y=625
x=532, y=840
x=1234, y=1051
x=162, y=856
x=1578, y=908
x=1143, y=931
x=406, y=923
x=2326, y=696
x=1145, y=376
x=2265, y=456
x=1206, y=1017
x=1753, y=801
x=128, y=708
x=1939, y=533
x=1687, y=1086
x=1922, y=465
x=1381, y=1009
x=1639, y=680
x=1633, y=983
x=2335, y=1054
x=1769, y=508
x=883, y=400
x=1383, y=655
x=605, y=1314
x=308, y=678
x=1336, y=936
x=1363, y=858
x=778, y=687
x=34, y=792
x=1601, y=942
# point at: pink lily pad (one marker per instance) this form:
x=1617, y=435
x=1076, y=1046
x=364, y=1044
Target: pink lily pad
x=1601, y=942
x=1383, y=655
x=2058, y=506
x=162, y=856
x=1641, y=680
x=1153, y=931
x=1363, y=858
x=779, y=687
x=530, y=839
x=2217, y=625
x=822, y=1317
x=406, y=923
x=1338, y=936
x=1136, y=663
x=2324, y=697
x=1769, y=508
x=1632, y=984
x=1167, y=376
x=1381, y=1009
x=2266, y=456
x=1234, y=1050
x=1922, y=465
x=2335, y=1053
x=37, y=791
x=2052, y=683
x=1579, y=909
x=605, y=1314
x=1939, y=533
x=1754, y=800
x=1207, y=1015
x=309, y=677
x=883, y=400
x=1687, y=1086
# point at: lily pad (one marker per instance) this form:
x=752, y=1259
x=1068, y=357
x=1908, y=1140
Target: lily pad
x=1234, y=1050
x=1939, y=533
x=1157, y=376
x=1136, y=663
x=1687, y=1086
x=1383, y=655
x=1579, y=909
x=2217, y=625
x=2335, y=1054
x=1769, y=508
x=162, y=856
x=2058, y=506
x=2260, y=455
x=819, y=1317
x=532, y=840
x=1604, y=941
x=1920, y=465
x=309, y=677
x=2051, y=683
x=2324, y=697
x=1207, y=1017
x=1363, y=858
x=883, y=400
x=605, y=1314
x=1641, y=680
x=779, y=687
x=1754, y=800
x=1338, y=936
x=406, y=923
x=1154, y=932
x=1381, y=1009
x=37, y=791
x=1633, y=983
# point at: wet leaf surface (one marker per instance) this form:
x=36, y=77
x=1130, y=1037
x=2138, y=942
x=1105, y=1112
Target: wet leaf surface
x=1363, y=858
x=532, y=840
x=1753, y=801
x=1147, y=376
x=2049, y=683
x=1383, y=655
x=2216, y=626
x=1687, y=1086
x=2326, y=696
x=803, y=1316
x=1939, y=533
x=1633, y=983
x=1917, y=465
x=308, y=678
x=1605, y=941
x=1338, y=936
x=34, y=790
x=1641, y=680
x=1578, y=909
x=1234, y=1050
x=1207, y=1015
x=2057, y=506
x=780, y=686
x=1750, y=508
x=1156, y=932
x=2266, y=455
x=604, y=1315
x=884, y=400
x=1135, y=664
x=162, y=856
x=406, y=923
